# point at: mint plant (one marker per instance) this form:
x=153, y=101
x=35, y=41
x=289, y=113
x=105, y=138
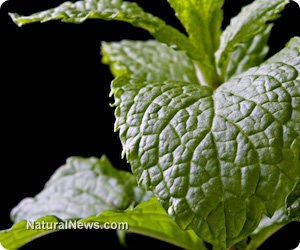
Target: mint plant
x=211, y=130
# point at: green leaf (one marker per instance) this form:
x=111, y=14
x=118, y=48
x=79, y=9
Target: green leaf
x=202, y=20
x=148, y=218
x=81, y=188
x=249, y=54
x=148, y=60
x=293, y=203
x=284, y=215
x=122, y=237
x=19, y=234
x=267, y=227
x=216, y=161
x=118, y=10
x=251, y=21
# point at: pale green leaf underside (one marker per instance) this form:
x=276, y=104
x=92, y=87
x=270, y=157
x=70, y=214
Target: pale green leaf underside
x=148, y=218
x=216, y=161
x=118, y=10
x=149, y=60
x=246, y=25
x=82, y=188
x=249, y=54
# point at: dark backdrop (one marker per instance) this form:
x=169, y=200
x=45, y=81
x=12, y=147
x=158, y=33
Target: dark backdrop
x=55, y=104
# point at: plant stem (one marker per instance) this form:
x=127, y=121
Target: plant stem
x=207, y=76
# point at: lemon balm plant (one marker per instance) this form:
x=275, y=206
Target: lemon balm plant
x=211, y=130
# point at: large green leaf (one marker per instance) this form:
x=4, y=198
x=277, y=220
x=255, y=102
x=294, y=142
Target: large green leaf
x=118, y=10
x=149, y=218
x=202, y=20
x=252, y=20
x=149, y=61
x=249, y=54
x=81, y=188
x=216, y=161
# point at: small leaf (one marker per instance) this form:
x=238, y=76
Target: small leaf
x=251, y=21
x=249, y=54
x=202, y=20
x=148, y=60
x=148, y=218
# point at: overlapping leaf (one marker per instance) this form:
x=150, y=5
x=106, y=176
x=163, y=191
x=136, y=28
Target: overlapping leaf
x=149, y=61
x=202, y=151
x=81, y=188
x=252, y=20
x=249, y=54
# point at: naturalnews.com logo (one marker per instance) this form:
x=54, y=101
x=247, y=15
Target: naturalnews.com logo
x=43, y=225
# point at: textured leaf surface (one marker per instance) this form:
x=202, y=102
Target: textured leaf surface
x=118, y=10
x=148, y=60
x=81, y=188
x=216, y=161
x=246, y=25
x=148, y=218
x=249, y=54
x=202, y=20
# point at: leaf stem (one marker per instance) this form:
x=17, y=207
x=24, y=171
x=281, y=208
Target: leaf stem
x=207, y=76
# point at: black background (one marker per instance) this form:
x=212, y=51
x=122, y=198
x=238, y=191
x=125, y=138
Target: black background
x=55, y=104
